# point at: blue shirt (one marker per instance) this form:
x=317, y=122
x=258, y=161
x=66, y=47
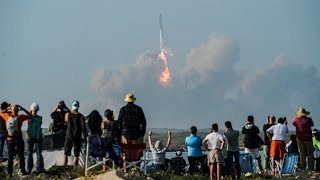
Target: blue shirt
x=193, y=143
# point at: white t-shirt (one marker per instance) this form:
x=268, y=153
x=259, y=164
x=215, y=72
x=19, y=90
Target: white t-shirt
x=278, y=132
x=158, y=155
x=214, y=140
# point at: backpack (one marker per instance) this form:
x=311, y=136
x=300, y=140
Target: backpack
x=12, y=125
x=34, y=130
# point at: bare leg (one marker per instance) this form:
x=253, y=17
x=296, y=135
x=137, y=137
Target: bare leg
x=273, y=165
x=124, y=162
x=258, y=160
x=211, y=171
x=75, y=161
x=104, y=164
x=218, y=171
x=65, y=160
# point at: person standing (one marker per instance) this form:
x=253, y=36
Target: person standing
x=232, y=149
x=278, y=144
x=14, y=140
x=194, y=143
x=215, y=158
x=132, y=122
x=251, y=140
x=303, y=125
x=266, y=147
x=75, y=128
x=3, y=129
x=58, y=115
x=34, y=140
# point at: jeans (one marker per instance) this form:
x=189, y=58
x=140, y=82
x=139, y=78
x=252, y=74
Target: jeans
x=3, y=138
x=234, y=155
x=37, y=144
x=306, y=149
x=16, y=144
x=266, y=152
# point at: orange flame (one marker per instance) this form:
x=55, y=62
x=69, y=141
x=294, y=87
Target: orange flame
x=165, y=77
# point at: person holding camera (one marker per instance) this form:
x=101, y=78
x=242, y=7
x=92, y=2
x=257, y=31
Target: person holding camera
x=58, y=115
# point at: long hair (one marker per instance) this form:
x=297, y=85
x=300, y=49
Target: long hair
x=94, y=120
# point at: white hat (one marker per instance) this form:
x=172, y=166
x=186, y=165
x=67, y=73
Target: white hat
x=34, y=107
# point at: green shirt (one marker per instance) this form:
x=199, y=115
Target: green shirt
x=232, y=140
x=316, y=143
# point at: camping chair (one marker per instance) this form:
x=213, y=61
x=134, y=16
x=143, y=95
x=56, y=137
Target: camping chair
x=289, y=166
x=246, y=163
x=131, y=155
x=95, y=156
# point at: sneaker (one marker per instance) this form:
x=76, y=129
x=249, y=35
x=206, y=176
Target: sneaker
x=23, y=173
x=41, y=171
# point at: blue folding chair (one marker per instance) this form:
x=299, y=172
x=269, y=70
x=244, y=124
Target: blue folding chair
x=289, y=166
x=246, y=163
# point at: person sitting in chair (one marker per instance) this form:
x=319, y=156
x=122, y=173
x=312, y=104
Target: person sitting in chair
x=158, y=151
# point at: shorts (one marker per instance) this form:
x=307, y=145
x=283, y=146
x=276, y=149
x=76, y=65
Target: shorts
x=215, y=156
x=278, y=149
x=68, y=144
x=124, y=140
x=254, y=152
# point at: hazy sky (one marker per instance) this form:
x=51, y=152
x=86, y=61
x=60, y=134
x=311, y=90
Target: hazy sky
x=51, y=50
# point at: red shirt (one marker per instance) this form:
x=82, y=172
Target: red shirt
x=303, y=128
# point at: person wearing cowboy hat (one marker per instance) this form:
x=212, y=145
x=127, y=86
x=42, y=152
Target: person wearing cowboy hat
x=132, y=122
x=303, y=126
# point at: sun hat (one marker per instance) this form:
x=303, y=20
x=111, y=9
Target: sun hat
x=34, y=107
x=302, y=112
x=314, y=131
x=129, y=98
x=75, y=105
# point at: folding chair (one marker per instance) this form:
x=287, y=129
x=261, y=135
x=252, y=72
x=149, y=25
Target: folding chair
x=96, y=158
x=289, y=166
x=246, y=163
x=131, y=155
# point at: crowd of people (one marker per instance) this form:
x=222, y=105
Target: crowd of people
x=130, y=127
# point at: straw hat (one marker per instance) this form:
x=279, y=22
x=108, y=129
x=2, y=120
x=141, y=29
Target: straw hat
x=129, y=98
x=302, y=112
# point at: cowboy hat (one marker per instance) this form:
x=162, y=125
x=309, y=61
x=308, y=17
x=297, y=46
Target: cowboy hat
x=302, y=112
x=130, y=98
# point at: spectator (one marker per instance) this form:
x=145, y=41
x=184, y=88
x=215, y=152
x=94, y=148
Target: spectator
x=215, y=158
x=75, y=127
x=34, y=140
x=251, y=140
x=316, y=139
x=303, y=126
x=14, y=139
x=266, y=147
x=110, y=128
x=158, y=151
x=278, y=144
x=193, y=143
x=3, y=129
x=132, y=122
x=292, y=146
x=232, y=149
x=58, y=115
x=94, y=121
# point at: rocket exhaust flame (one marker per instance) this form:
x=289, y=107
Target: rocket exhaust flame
x=165, y=77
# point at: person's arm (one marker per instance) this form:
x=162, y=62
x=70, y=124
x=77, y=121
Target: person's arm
x=294, y=122
x=143, y=122
x=66, y=117
x=83, y=126
x=24, y=110
x=5, y=110
x=149, y=139
x=120, y=120
x=311, y=122
x=222, y=142
x=169, y=139
x=204, y=144
x=269, y=132
x=244, y=130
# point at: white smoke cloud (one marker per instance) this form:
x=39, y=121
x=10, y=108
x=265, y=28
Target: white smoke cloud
x=197, y=94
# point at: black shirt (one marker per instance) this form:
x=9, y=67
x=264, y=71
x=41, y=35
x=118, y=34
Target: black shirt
x=266, y=139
